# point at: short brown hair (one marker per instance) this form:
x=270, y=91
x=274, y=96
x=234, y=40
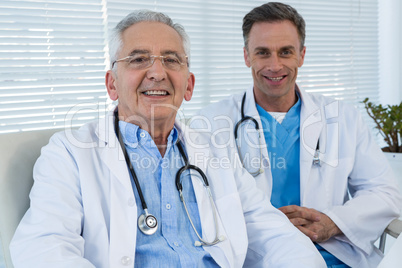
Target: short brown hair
x=274, y=12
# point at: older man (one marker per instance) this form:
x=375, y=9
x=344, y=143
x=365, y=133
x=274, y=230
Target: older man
x=116, y=202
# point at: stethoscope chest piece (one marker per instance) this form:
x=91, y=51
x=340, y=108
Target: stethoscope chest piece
x=147, y=223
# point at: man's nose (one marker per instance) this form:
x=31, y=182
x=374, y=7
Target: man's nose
x=156, y=71
x=274, y=63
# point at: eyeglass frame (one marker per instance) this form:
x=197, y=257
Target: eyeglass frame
x=152, y=57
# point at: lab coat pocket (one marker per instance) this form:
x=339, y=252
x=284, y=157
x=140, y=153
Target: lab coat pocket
x=336, y=181
x=333, y=182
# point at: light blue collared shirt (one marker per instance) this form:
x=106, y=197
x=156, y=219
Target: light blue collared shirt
x=173, y=243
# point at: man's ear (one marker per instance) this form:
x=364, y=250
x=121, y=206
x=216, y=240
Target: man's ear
x=302, y=54
x=110, y=79
x=246, y=57
x=190, y=87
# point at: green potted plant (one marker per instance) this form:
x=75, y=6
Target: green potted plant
x=388, y=121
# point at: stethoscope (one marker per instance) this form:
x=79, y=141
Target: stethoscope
x=257, y=128
x=147, y=223
x=316, y=157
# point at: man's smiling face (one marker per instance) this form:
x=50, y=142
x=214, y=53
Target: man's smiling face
x=155, y=93
x=274, y=55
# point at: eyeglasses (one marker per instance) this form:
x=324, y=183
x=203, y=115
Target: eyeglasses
x=143, y=61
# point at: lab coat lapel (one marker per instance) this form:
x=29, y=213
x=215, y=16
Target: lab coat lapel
x=199, y=157
x=264, y=181
x=311, y=124
x=250, y=109
x=112, y=155
x=123, y=209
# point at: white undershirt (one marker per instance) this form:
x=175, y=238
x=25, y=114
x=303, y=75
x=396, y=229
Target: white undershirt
x=278, y=116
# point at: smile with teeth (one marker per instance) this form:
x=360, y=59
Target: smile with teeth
x=156, y=93
x=275, y=79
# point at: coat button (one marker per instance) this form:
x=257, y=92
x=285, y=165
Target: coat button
x=126, y=260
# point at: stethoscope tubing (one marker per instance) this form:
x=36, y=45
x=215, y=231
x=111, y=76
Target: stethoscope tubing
x=187, y=166
x=316, y=157
x=147, y=223
x=243, y=119
x=130, y=166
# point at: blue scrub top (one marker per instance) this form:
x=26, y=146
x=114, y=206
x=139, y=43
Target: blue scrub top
x=283, y=142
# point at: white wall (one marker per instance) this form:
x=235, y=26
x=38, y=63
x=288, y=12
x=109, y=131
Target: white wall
x=390, y=27
x=390, y=35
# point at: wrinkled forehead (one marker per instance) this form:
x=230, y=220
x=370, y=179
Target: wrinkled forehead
x=151, y=37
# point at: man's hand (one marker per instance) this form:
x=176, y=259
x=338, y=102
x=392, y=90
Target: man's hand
x=316, y=225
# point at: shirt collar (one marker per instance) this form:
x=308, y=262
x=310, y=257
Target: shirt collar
x=133, y=135
x=294, y=111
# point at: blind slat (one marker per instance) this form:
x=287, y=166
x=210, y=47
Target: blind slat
x=53, y=53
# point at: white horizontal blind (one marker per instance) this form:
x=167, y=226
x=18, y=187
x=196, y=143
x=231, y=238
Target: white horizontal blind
x=342, y=48
x=342, y=58
x=214, y=28
x=52, y=55
x=51, y=62
x=342, y=44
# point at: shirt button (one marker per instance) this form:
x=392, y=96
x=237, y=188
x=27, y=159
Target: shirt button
x=131, y=202
x=176, y=244
x=126, y=260
x=142, y=135
x=168, y=206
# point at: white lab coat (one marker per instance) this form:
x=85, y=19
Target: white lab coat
x=350, y=161
x=83, y=211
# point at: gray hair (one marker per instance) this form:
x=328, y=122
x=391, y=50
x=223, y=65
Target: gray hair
x=115, y=39
x=273, y=12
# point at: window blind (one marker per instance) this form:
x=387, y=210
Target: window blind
x=342, y=49
x=342, y=58
x=53, y=54
x=51, y=63
x=342, y=43
x=214, y=28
